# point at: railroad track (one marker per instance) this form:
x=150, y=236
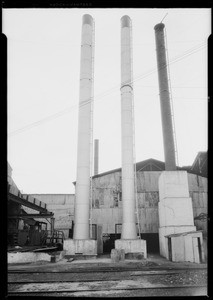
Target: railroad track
x=116, y=283
x=14, y=278
x=101, y=269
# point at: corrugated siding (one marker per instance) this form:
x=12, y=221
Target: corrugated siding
x=148, y=181
x=108, y=217
x=62, y=205
x=107, y=206
x=197, y=183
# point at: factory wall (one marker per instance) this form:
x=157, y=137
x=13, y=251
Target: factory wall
x=62, y=205
x=198, y=190
x=107, y=202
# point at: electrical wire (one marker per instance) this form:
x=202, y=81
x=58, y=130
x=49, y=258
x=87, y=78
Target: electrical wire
x=178, y=58
x=70, y=44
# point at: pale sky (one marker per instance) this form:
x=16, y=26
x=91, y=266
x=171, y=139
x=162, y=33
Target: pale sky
x=43, y=89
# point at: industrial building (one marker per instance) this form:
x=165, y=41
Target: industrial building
x=122, y=202
x=107, y=202
x=143, y=207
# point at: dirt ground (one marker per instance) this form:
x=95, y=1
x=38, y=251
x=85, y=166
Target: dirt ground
x=154, y=276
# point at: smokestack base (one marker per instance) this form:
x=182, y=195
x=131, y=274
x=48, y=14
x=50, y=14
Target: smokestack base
x=159, y=27
x=135, y=247
x=87, y=19
x=125, y=21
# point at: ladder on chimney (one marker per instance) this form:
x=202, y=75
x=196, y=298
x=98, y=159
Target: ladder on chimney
x=134, y=151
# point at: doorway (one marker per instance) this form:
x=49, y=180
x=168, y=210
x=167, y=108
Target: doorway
x=152, y=242
x=109, y=241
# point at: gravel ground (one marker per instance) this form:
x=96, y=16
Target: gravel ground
x=182, y=278
x=186, y=277
x=174, y=276
x=175, y=283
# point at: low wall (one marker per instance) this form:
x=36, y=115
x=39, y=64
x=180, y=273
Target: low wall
x=27, y=257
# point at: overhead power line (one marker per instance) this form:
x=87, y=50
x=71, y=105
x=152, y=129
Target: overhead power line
x=178, y=58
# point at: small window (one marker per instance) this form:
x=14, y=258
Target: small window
x=115, y=198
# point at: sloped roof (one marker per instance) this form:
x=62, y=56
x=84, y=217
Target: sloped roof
x=145, y=165
x=199, y=165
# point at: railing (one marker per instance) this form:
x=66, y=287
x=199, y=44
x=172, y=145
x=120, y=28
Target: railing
x=52, y=238
x=34, y=237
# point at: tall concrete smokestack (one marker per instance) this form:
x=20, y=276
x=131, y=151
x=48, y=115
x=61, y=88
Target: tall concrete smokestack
x=166, y=116
x=96, y=157
x=82, y=200
x=129, y=241
x=128, y=192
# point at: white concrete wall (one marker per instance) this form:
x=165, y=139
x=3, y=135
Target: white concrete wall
x=176, y=212
x=175, y=206
x=163, y=231
x=85, y=247
x=185, y=247
x=27, y=257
